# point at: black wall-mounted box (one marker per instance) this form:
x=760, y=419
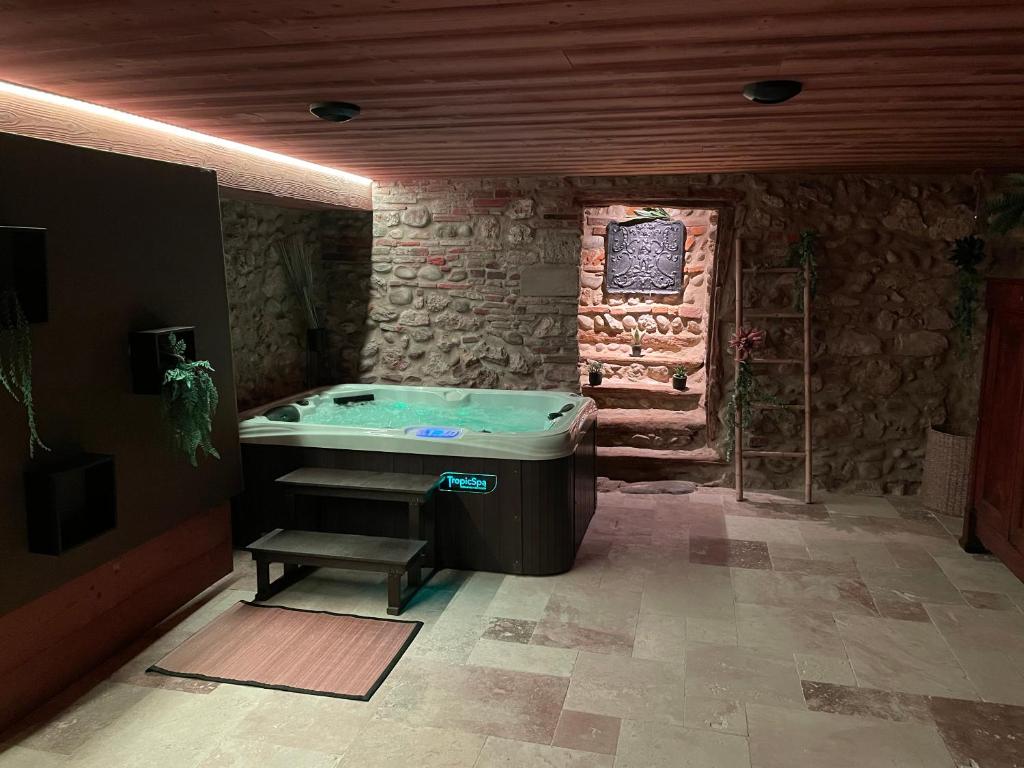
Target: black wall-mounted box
x=150, y=356
x=69, y=500
x=23, y=268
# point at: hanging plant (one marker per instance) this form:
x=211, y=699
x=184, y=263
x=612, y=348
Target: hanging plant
x=966, y=255
x=802, y=254
x=1005, y=209
x=190, y=401
x=16, y=361
x=746, y=390
x=646, y=214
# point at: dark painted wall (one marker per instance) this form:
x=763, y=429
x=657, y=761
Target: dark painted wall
x=132, y=244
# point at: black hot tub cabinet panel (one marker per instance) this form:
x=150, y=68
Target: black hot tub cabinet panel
x=531, y=524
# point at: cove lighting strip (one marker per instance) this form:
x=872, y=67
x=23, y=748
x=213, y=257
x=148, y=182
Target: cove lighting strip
x=174, y=130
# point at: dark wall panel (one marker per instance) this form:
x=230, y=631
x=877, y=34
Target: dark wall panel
x=131, y=244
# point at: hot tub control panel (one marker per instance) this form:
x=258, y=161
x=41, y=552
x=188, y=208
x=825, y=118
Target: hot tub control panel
x=435, y=433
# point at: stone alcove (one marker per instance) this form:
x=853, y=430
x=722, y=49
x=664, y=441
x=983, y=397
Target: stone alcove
x=639, y=408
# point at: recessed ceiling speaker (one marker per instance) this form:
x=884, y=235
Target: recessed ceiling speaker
x=772, y=91
x=334, y=111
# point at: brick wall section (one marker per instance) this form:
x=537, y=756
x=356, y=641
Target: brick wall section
x=675, y=325
x=474, y=284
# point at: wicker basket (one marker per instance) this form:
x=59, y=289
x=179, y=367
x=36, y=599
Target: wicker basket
x=947, y=473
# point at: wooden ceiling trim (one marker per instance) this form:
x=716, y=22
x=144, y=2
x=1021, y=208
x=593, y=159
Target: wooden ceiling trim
x=265, y=177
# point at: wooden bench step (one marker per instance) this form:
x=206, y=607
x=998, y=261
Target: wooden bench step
x=341, y=481
x=341, y=547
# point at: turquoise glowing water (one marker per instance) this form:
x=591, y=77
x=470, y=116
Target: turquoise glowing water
x=383, y=414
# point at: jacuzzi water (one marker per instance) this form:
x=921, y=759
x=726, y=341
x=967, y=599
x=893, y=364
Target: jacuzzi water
x=443, y=421
x=383, y=414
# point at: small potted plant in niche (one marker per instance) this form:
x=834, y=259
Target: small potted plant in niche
x=679, y=378
x=638, y=337
x=595, y=372
x=190, y=401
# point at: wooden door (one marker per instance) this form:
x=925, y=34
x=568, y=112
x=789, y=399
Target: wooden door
x=996, y=520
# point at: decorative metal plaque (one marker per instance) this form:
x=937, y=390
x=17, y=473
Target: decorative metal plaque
x=646, y=257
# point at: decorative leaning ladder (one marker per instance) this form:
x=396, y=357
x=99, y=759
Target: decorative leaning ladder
x=805, y=360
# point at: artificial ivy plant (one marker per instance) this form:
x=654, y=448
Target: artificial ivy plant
x=802, y=254
x=16, y=361
x=746, y=389
x=190, y=401
x=1005, y=209
x=966, y=255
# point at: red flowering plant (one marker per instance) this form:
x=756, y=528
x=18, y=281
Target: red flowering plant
x=746, y=340
x=746, y=389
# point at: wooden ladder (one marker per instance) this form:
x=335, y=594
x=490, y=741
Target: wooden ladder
x=806, y=454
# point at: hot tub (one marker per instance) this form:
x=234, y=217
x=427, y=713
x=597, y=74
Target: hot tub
x=517, y=474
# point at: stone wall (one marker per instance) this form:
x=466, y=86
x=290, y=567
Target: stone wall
x=471, y=287
x=268, y=323
x=675, y=326
x=474, y=284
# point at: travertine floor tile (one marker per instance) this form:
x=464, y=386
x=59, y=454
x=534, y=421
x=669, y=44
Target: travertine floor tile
x=587, y=732
x=494, y=702
x=523, y=658
x=786, y=738
x=904, y=656
x=505, y=753
x=794, y=590
x=658, y=745
x=620, y=686
x=240, y=753
x=989, y=645
x=788, y=630
x=742, y=674
x=824, y=669
x=387, y=744
x=521, y=597
x=715, y=715
x=661, y=637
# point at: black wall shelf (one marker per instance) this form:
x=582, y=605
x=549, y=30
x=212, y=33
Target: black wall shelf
x=69, y=500
x=150, y=356
x=23, y=268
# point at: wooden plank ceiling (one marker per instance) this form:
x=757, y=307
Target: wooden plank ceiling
x=468, y=87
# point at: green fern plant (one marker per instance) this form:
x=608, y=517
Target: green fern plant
x=16, y=361
x=966, y=255
x=802, y=254
x=1005, y=209
x=190, y=401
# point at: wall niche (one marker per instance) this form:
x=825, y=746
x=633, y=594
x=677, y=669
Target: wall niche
x=23, y=269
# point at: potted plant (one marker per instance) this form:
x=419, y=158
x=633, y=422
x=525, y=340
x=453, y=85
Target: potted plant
x=595, y=372
x=679, y=378
x=638, y=337
x=298, y=264
x=190, y=401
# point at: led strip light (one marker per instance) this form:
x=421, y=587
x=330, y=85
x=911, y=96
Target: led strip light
x=174, y=130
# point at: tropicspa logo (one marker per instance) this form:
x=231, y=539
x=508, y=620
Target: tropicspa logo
x=467, y=483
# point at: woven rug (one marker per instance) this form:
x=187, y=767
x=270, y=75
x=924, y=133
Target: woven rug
x=290, y=649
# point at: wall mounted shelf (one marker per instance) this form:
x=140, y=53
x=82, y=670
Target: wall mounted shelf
x=150, y=356
x=23, y=268
x=69, y=500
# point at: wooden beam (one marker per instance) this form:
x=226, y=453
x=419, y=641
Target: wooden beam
x=271, y=176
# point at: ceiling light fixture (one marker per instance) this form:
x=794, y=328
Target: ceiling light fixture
x=772, y=91
x=173, y=130
x=334, y=111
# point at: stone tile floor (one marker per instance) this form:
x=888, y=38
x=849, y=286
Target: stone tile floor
x=693, y=631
